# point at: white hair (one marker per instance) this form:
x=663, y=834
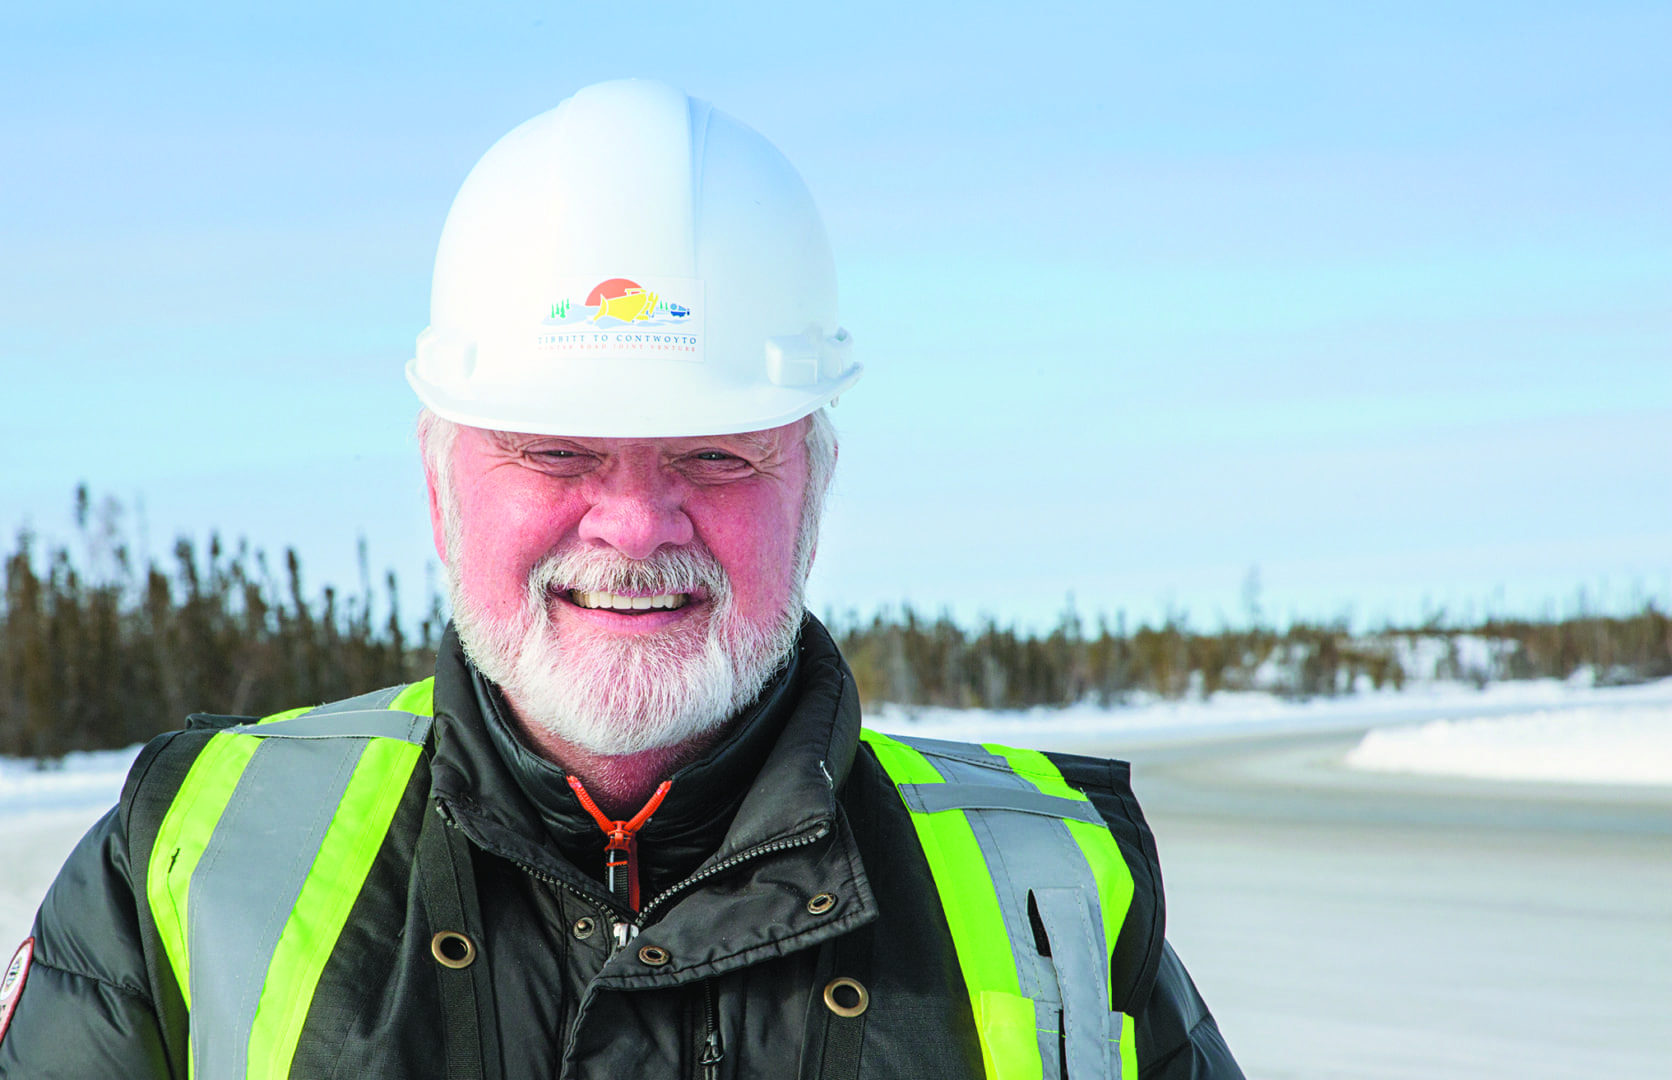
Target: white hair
x=629, y=694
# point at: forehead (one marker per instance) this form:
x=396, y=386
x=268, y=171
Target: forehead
x=767, y=442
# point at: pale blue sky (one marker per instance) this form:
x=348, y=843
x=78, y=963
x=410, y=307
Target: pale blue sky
x=1375, y=296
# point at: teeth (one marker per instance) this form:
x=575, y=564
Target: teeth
x=613, y=602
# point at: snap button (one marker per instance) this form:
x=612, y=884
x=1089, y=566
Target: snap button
x=584, y=927
x=846, y=997
x=453, y=949
x=821, y=903
x=654, y=955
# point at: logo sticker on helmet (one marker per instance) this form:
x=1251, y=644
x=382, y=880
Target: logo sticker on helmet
x=11, y=986
x=625, y=318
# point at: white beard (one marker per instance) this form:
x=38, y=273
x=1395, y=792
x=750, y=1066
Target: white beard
x=615, y=695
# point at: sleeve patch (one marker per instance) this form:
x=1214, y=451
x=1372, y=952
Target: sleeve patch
x=11, y=987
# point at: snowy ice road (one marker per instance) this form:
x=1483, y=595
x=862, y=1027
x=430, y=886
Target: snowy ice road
x=1344, y=924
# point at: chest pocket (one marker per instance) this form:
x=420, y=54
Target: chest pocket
x=260, y=858
x=1035, y=892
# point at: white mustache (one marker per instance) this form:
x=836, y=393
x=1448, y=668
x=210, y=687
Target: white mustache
x=692, y=569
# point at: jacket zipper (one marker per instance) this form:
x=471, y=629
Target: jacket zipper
x=712, y=1052
x=621, y=930
x=818, y=833
x=619, y=925
x=624, y=930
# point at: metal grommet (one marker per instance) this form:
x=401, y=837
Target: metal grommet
x=821, y=903
x=654, y=955
x=584, y=927
x=453, y=949
x=851, y=991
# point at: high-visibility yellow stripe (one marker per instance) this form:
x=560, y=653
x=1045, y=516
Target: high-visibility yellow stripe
x=182, y=838
x=287, y=714
x=1114, y=880
x=1128, y=1049
x=1004, y=1017
x=418, y=698
x=1037, y=768
x=333, y=884
x=1097, y=843
x=1009, y=1043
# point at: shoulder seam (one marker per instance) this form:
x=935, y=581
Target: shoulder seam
x=131, y=991
x=1188, y=1045
x=1207, y=1018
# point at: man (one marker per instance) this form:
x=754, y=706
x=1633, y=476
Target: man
x=632, y=827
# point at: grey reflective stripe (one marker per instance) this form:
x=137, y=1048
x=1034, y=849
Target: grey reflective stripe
x=933, y=798
x=970, y=753
x=377, y=699
x=1032, y=857
x=1076, y=952
x=359, y=724
x=242, y=893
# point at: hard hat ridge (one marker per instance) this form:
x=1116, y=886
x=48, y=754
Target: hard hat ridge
x=633, y=262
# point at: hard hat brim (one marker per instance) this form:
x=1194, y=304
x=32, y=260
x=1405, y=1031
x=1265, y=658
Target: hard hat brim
x=659, y=412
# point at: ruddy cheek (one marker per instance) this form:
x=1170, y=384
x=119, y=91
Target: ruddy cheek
x=501, y=552
x=759, y=560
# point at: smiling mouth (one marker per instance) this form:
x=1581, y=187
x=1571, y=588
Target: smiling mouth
x=606, y=601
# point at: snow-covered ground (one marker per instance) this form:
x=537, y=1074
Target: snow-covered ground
x=1545, y=730
x=1329, y=944
x=1599, y=744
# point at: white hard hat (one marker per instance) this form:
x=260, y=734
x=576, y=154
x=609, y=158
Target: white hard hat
x=633, y=263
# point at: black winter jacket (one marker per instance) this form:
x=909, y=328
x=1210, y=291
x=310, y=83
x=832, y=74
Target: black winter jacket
x=788, y=806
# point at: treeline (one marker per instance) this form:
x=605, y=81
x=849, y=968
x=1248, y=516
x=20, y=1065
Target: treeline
x=908, y=660
x=105, y=648
x=101, y=652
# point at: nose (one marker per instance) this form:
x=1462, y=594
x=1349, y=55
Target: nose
x=636, y=509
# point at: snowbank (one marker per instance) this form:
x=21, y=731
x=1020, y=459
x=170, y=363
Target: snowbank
x=1591, y=745
x=74, y=782
x=1155, y=721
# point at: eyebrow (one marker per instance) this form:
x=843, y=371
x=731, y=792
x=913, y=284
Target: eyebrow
x=759, y=441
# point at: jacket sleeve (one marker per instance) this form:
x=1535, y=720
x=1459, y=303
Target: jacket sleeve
x=86, y=1007
x=1177, y=1036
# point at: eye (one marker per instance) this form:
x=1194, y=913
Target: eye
x=559, y=460
x=712, y=465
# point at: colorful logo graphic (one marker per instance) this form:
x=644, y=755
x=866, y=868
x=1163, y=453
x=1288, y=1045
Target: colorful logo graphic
x=619, y=298
x=624, y=317
x=623, y=300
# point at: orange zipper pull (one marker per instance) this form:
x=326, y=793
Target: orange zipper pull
x=621, y=855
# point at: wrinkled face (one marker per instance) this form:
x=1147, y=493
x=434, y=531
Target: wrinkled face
x=626, y=593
